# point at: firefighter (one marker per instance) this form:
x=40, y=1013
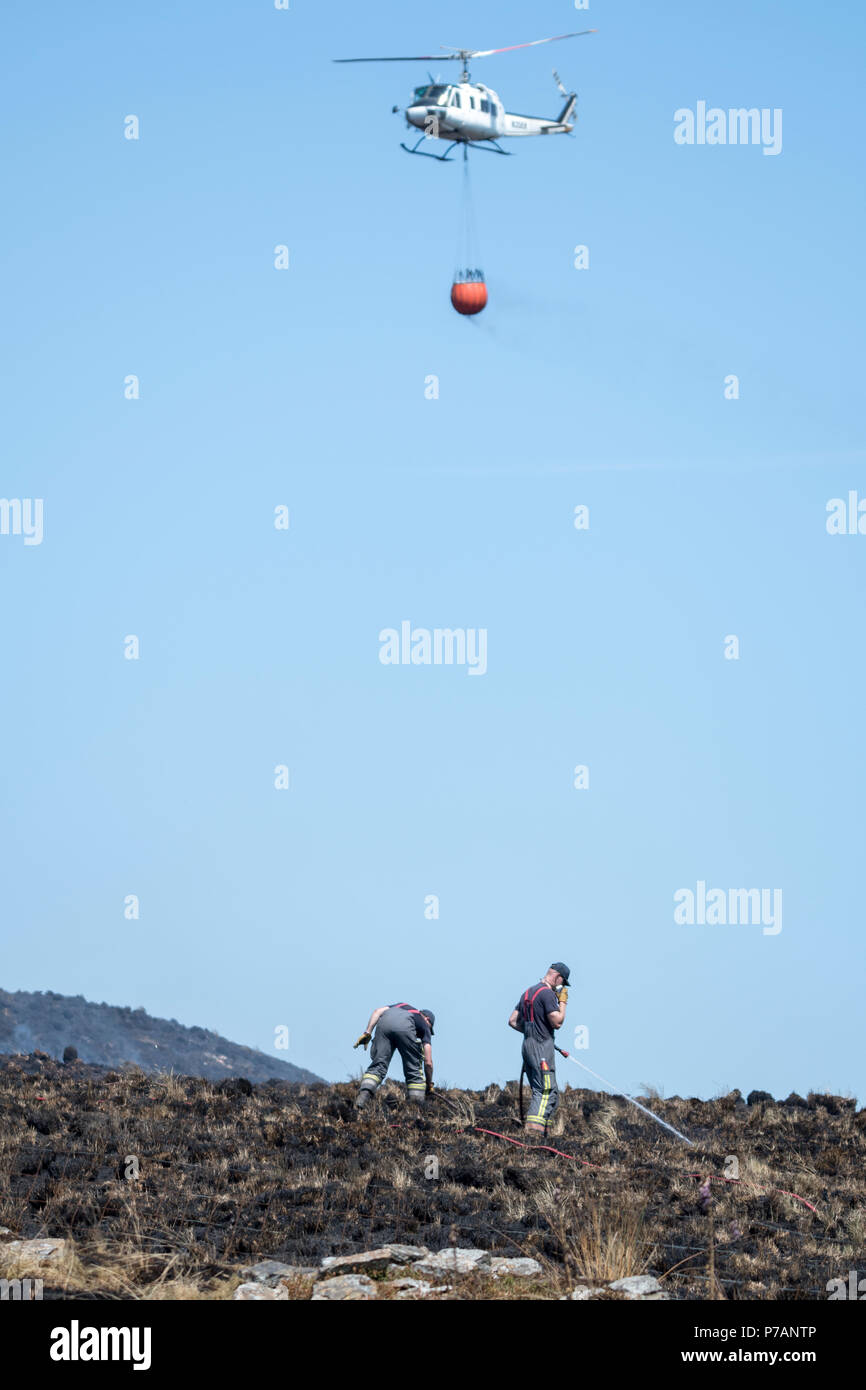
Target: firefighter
x=539, y=1012
x=409, y=1030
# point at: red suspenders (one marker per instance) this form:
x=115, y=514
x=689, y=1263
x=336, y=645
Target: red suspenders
x=530, y=1003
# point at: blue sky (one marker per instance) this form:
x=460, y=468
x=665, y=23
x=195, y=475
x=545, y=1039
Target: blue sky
x=306, y=387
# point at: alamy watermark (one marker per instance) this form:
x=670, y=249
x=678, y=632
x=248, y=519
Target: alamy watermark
x=441, y=646
x=855, y=1289
x=846, y=518
x=22, y=516
x=23, y=1290
x=733, y=907
x=77, y=1343
x=738, y=125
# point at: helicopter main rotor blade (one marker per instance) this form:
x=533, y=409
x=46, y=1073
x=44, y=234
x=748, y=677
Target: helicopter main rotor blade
x=459, y=55
x=486, y=52
x=419, y=58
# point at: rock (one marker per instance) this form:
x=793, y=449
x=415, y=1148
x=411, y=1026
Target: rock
x=580, y=1294
x=272, y=1271
x=344, y=1287
x=414, y=1288
x=407, y=1254
x=454, y=1260
x=520, y=1268
x=5, y=1231
x=759, y=1098
x=38, y=1251
x=639, y=1286
x=253, y=1293
x=374, y=1260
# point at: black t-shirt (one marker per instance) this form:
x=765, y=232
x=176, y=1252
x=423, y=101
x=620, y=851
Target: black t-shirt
x=533, y=1006
x=422, y=1027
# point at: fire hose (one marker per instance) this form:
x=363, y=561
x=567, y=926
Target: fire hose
x=615, y=1091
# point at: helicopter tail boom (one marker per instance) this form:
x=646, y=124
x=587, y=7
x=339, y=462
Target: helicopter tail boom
x=516, y=124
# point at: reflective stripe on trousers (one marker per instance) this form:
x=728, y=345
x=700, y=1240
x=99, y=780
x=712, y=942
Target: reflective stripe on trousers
x=539, y=1060
x=395, y=1031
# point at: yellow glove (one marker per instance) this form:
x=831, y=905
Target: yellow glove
x=363, y=1040
x=563, y=994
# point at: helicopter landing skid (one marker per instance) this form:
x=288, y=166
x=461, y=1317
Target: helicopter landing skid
x=492, y=146
x=425, y=154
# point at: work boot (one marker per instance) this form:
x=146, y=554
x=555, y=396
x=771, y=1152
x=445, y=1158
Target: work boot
x=362, y=1098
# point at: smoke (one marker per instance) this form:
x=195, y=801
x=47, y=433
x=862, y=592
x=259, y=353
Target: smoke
x=23, y=1040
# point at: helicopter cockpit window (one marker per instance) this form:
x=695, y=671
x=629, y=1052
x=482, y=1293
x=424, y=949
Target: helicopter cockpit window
x=455, y=97
x=432, y=95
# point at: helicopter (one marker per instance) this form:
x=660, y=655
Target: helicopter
x=469, y=113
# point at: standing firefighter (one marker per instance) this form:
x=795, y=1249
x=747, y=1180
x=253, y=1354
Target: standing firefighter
x=539, y=1012
x=409, y=1030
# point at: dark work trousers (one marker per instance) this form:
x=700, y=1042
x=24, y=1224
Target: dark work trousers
x=395, y=1029
x=540, y=1062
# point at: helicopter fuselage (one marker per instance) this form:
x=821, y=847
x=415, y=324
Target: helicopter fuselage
x=469, y=111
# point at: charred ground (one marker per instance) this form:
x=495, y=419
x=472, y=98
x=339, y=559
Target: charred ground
x=230, y=1172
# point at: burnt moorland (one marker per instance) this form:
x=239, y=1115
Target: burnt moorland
x=166, y=1186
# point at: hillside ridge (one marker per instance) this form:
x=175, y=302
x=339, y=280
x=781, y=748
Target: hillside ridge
x=112, y=1035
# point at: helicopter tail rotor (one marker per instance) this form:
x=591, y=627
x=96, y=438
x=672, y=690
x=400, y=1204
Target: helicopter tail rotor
x=566, y=116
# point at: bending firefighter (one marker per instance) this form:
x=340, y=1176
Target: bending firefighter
x=408, y=1030
x=539, y=1012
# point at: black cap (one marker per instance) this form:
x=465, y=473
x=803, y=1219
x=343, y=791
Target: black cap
x=430, y=1017
x=561, y=969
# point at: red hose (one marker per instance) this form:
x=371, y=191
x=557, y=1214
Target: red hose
x=598, y=1166
x=521, y=1144
x=714, y=1178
